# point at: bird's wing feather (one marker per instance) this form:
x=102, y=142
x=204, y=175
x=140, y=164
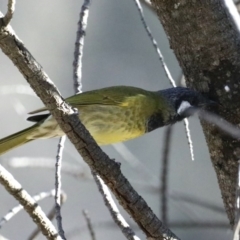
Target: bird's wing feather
x=107, y=96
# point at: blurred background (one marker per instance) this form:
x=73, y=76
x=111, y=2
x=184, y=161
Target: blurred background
x=117, y=51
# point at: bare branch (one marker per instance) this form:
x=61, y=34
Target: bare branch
x=164, y=175
x=58, y=186
x=31, y=207
x=112, y=207
x=155, y=45
x=78, y=52
x=89, y=224
x=77, y=74
x=18, y=208
x=10, y=10
x=188, y=134
x=50, y=215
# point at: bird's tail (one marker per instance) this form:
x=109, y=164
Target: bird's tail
x=16, y=139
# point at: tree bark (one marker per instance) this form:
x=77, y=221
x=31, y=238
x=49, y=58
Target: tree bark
x=206, y=42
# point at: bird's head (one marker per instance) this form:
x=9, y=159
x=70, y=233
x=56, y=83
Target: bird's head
x=183, y=99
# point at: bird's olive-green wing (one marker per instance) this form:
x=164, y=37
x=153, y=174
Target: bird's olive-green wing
x=106, y=96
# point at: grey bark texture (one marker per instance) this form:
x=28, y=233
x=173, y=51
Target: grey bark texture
x=206, y=42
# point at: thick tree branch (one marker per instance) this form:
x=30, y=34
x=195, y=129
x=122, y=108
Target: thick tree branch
x=68, y=120
x=31, y=207
x=206, y=40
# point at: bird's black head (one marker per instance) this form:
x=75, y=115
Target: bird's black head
x=182, y=99
x=174, y=105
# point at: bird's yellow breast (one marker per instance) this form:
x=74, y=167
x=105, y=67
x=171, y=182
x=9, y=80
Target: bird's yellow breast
x=111, y=124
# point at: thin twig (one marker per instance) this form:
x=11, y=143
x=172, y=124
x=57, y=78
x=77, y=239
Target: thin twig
x=58, y=186
x=77, y=72
x=50, y=215
x=10, y=10
x=112, y=207
x=89, y=224
x=155, y=45
x=77, y=76
x=166, y=70
x=31, y=207
x=189, y=138
x=19, y=207
x=78, y=52
x=164, y=175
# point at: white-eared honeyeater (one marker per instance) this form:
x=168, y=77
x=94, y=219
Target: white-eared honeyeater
x=114, y=114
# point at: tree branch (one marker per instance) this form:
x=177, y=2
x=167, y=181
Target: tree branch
x=164, y=174
x=58, y=185
x=78, y=52
x=10, y=10
x=31, y=207
x=68, y=120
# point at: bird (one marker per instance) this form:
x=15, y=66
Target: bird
x=114, y=114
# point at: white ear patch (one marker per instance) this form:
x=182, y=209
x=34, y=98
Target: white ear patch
x=183, y=107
